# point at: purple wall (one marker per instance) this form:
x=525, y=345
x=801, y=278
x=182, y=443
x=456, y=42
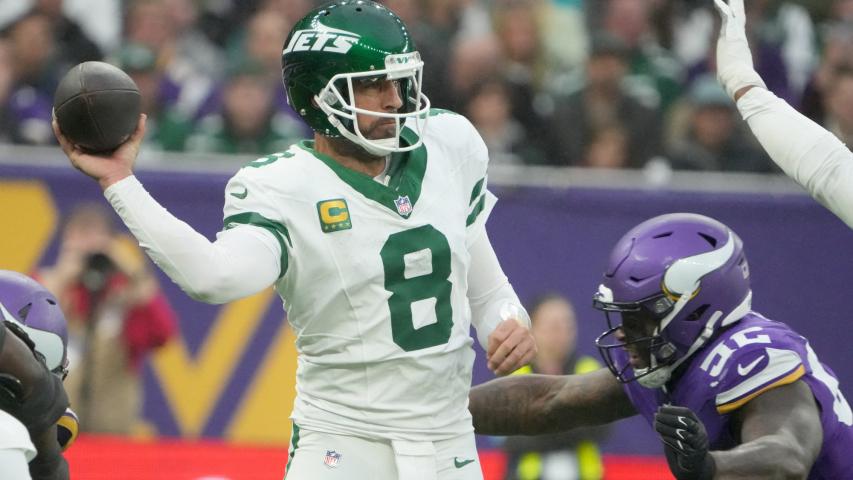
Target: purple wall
x=558, y=240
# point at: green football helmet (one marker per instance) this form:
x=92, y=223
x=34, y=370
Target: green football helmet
x=346, y=41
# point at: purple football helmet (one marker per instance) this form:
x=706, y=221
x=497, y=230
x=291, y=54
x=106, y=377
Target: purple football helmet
x=687, y=275
x=27, y=303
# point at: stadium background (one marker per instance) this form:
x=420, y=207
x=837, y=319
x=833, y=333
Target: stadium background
x=229, y=377
x=218, y=397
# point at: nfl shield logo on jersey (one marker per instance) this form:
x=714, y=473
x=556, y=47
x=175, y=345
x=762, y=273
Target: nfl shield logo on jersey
x=404, y=205
x=332, y=458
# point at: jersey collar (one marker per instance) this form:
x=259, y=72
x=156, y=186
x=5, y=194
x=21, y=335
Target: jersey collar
x=406, y=170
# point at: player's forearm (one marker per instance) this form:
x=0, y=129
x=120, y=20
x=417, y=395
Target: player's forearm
x=489, y=291
x=515, y=405
x=807, y=152
x=771, y=457
x=535, y=404
x=742, y=91
x=234, y=266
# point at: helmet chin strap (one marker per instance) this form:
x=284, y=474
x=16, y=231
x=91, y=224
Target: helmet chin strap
x=654, y=378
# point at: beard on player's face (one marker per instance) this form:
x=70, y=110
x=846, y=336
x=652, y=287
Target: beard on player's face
x=376, y=128
x=347, y=148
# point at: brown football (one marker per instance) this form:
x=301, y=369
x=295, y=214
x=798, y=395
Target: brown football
x=97, y=106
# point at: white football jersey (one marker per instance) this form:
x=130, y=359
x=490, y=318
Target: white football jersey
x=374, y=279
x=14, y=435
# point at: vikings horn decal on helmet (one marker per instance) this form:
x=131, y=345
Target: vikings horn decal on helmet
x=347, y=41
x=27, y=303
x=684, y=274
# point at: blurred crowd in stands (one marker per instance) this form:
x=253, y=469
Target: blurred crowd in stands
x=597, y=83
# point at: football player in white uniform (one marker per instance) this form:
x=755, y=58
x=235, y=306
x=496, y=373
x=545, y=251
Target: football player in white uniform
x=805, y=151
x=374, y=236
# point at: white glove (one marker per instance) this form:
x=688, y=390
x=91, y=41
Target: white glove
x=734, y=60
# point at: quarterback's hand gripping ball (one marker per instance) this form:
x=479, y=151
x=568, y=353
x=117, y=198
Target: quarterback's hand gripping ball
x=97, y=106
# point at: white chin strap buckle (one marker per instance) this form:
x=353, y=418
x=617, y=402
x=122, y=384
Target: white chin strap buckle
x=655, y=379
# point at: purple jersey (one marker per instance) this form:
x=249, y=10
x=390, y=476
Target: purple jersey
x=751, y=357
